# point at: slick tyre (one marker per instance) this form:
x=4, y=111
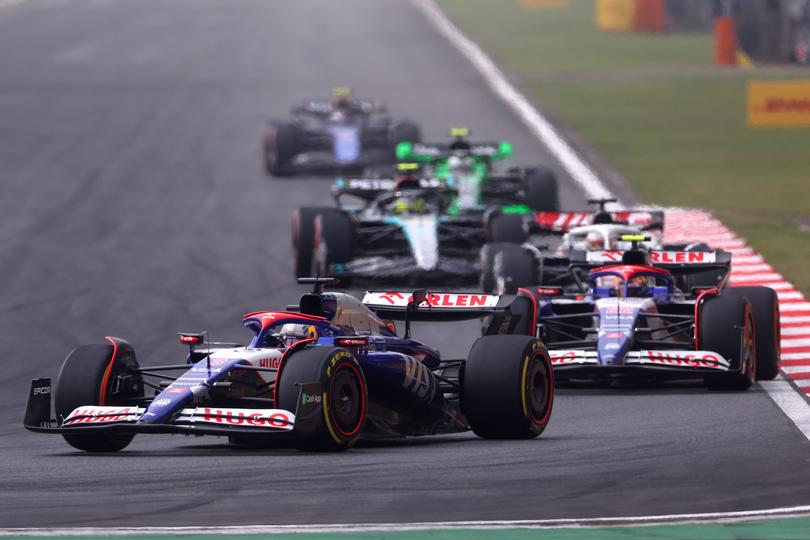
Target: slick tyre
x=506, y=267
x=765, y=307
x=541, y=189
x=88, y=377
x=726, y=325
x=333, y=242
x=344, y=396
x=303, y=235
x=281, y=145
x=508, y=387
x=507, y=228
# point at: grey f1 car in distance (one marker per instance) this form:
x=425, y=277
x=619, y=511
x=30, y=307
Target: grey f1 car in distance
x=342, y=135
x=323, y=374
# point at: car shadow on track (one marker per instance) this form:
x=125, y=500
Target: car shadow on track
x=614, y=388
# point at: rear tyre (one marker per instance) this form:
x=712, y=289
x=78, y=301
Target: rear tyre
x=280, y=147
x=541, y=190
x=727, y=328
x=333, y=242
x=87, y=378
x=303, y=235
x=507, y=228
x=508, y=387
x=765, y=307
x=344, y=397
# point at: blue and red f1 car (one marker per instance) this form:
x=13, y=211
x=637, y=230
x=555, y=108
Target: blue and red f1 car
x=323, y=373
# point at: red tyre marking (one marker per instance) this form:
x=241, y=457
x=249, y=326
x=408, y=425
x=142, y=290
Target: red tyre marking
x=354, y=432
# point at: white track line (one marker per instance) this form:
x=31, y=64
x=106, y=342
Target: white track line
x=790, y=401
x=542, y=128
x=670, y=519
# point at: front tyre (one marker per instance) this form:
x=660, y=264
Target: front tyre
x=508, y=387
x=727, y=327
x=303, y=234
x=541, y=190
x=88, y=377
x=765, y=307
x=344, y=397
x=333, y=242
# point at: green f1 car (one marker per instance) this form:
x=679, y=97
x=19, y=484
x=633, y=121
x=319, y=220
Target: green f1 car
x=468, y=168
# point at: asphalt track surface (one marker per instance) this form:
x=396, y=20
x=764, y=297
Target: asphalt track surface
x=133, y=204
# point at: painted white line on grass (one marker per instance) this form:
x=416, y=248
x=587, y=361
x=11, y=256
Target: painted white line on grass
x=576, y=168
x=240, y=530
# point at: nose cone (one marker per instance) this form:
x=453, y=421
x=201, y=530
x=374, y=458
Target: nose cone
x=617, y=319
x=422, y=234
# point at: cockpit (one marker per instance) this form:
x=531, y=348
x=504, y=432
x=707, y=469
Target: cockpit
x=630, y=282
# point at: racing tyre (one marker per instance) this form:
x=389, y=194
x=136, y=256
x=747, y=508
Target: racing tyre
x=508, y=387
x=303, y=235
x=507, y=228
x=506, y=267
x=541, y=192
x=765, y=307
x=726, y=325
x=405, y=131
x=88, y=377
x=333, y=242
x=344, y=396
x=280, y=147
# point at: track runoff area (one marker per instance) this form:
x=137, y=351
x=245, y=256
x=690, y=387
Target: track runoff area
x=790, y=391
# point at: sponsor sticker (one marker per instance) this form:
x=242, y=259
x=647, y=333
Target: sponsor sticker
x=778, y=103
x=443, y=300
x=259, y=418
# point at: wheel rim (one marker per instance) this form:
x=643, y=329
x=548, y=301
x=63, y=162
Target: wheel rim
x=346, y=401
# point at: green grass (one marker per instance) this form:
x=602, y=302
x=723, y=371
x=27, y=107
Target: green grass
x=657, y=110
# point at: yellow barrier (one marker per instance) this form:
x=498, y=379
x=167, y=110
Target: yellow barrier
x=615, y=15
x=778, y=103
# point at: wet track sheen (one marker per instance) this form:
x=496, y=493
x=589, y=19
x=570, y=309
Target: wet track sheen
x=132, y=203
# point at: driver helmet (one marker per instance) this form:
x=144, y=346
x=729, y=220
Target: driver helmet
x=639, y=285
x=460, y=142
x=293, y=332
x=614, y=283
x=594, y=241
x=341, y=97
x=409, y=205
x=408, y=175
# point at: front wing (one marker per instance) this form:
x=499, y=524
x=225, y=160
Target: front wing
x=676, y=363
x=205, y=420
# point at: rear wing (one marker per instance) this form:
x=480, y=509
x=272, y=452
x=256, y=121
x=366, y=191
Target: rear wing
x=369, y=188
x=506, y=314
x=671, y=260
x=562, y=222
x=427, y=152
x=438, y=306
